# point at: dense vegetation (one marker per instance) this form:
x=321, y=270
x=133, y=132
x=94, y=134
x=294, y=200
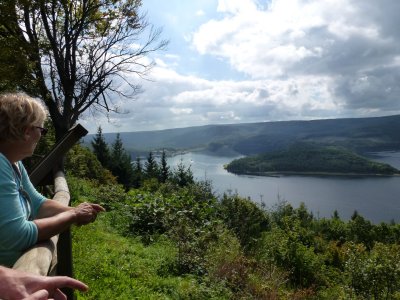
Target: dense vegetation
x=309, y=158
x=172, y=238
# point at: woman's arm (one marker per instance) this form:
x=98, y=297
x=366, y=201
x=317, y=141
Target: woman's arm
x=52, y=217
x=56, y=217
x=51, y=226
x=51, y=208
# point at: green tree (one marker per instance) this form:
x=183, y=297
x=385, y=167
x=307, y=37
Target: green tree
x=361, y=230
x=15, y=65
x=83, y=163
x=164, y=168
x=374, y=274
x=75, y=54
x=137, y=173
x=245, y=218
x=182, y=175
x=121, y=166
x=100, y=148
x=303, y=215
x=151, y=167
x=332, y=229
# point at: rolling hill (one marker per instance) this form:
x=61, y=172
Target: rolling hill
x=357, y=134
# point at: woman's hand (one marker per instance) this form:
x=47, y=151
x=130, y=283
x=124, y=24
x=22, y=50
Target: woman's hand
x=64, y=217
x=86, y=213
x=20, y=285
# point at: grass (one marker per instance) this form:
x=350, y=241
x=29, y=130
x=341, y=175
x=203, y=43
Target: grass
x=117, y=267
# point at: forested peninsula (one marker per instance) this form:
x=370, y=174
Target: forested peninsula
x=310, y=159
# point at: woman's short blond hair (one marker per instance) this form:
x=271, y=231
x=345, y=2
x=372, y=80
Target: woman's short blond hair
x=18, y=111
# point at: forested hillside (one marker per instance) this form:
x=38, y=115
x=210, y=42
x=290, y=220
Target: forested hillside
x=357, y=134
x=305, y=158
x=172, y=238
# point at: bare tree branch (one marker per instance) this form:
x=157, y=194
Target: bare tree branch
x=84, y=53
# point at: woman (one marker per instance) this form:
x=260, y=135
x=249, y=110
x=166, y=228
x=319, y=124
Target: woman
x=26, y=216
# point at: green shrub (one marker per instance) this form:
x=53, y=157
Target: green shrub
x=158, y=211
x=373, y=274
x=245, y=218
x=186, y=214
x=83, y=163
x=286, y=249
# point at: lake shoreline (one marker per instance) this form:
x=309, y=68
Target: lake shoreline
x=317, y=174
x=373, y=197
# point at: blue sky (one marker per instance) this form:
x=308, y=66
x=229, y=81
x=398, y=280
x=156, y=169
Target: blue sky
x=240, y=61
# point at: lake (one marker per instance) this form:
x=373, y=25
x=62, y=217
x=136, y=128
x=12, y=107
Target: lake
x=375, y=198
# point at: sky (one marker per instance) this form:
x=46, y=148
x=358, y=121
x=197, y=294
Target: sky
x=245, y=61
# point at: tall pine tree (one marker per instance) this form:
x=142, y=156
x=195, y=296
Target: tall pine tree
x=183, y=175
x=121, y=165
x=164, y=169
x=137, y=173
x=100, y=149
x=151, y=167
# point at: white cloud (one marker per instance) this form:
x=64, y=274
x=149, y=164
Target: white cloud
x=236, y=6
x=181, y=111
x=300, y=59
x=221, y=116
x=200, y=13
x=267, y=42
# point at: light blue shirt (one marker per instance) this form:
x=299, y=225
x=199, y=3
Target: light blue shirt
x=17, y=233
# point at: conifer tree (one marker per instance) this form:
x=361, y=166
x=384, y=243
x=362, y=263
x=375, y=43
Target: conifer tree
x=117, y=148
x=137, y=173
x=151, y=167
x=100, y=149
x=183, y=175
x=336, y=215
x=121, y=166
x=164, y=172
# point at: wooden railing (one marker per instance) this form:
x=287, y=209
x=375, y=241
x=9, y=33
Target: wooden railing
x=53, y=257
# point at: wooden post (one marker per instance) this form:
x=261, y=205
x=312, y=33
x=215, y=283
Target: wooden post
x=64, y=245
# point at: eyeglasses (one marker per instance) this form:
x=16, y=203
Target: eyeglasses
x=43, y=131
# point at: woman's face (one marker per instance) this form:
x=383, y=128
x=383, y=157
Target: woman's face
x=32, y=137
